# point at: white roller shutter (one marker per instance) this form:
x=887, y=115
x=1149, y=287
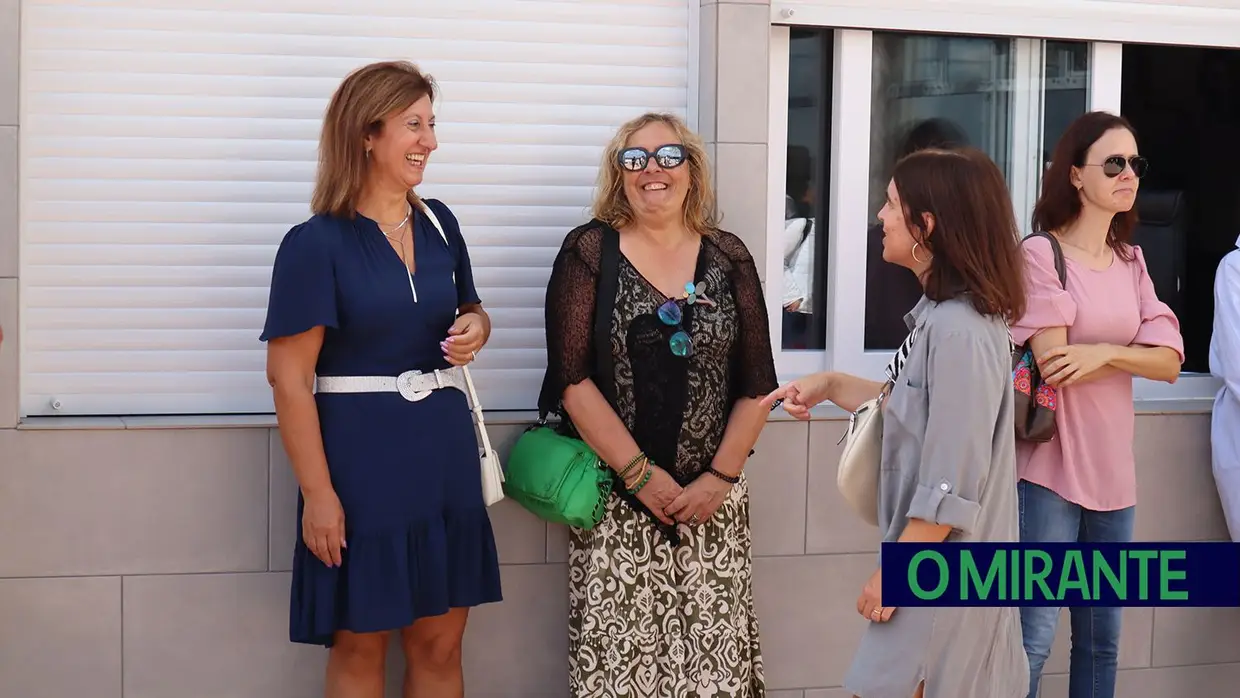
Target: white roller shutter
x=167, y=146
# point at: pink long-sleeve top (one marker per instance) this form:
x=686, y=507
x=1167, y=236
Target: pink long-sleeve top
x=1090, y=461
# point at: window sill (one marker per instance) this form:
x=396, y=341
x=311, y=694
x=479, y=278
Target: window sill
x=512, y=417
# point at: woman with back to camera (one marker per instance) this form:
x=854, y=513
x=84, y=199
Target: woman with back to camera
x=394, y=530
x=660, y=591
x=1090, y=339
x=948, y=469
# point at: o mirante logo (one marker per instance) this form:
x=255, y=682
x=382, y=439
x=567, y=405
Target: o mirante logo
x=1061, y=574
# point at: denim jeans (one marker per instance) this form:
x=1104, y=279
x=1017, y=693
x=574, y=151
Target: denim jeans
x=1047, y=517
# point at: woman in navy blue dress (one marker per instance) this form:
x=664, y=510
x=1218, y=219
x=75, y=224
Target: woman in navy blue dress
x=365, y=338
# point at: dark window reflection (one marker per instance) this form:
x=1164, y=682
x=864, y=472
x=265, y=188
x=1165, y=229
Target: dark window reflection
x=805, y=239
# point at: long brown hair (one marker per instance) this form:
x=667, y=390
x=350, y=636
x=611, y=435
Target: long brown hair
x=357, y=109
x=612, y=206
x=1060, y=203
x=974, y=241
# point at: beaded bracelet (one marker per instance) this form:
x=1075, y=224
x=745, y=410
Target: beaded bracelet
x=636, y=459
x=730, y=479
x=642, y=483
x=639, y=475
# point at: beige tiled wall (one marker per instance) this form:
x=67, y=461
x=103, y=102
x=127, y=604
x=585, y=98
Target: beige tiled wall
x=153, y=563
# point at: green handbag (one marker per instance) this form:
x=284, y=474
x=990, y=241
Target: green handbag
x=558, y=478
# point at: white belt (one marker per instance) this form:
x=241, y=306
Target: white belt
x=412, y=385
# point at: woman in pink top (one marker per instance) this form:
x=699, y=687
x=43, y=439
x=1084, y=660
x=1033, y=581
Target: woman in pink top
x=1090, y=338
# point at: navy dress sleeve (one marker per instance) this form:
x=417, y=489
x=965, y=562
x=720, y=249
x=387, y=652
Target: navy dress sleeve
x=466, y=292
x=303, y=283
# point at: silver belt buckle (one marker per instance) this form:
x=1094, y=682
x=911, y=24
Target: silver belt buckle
x=404, y=385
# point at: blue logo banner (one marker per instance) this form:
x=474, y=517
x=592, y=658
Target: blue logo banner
x=1061, y=574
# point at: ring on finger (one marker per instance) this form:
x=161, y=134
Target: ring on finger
x=877, y=612
x=693, y=519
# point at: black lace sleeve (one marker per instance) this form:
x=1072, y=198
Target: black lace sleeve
x=569, y=315
x=754, y=370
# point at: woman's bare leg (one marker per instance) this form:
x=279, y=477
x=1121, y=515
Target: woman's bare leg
x=355, y=665
x=432, y=648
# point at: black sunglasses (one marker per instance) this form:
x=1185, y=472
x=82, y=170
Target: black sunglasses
x=668, y=157
x=1114, y=166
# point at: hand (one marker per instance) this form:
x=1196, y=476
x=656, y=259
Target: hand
x=801, y=395
x=464, y=339
x=1063, y=366
x=793, y=306
x=659, y=492
x=870, y=603
x=700, y=500
x=322, y=527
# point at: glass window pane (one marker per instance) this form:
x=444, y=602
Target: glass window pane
x=1066, y=93
x=805, y=239
x=927, y=91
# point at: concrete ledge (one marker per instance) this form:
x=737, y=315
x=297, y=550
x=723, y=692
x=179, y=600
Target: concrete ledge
x=502, y=417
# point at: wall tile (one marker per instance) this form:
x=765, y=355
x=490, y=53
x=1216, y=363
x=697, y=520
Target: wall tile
x=213, y=635
x=60, y=637
x=1135, y=640
x=828, y=693
x=283, y=526
x=1196, y=636
x=519, y=648
x=133, y=502
x=785, y=694
x=832, y=525
x=1177, y=499
x=708, y=71
x=557, y=543
x=10, y=398
x=1178, y=682
x=740, y=184
x=744, y=45
x=776, y=474
x=10, y=37
x=9, y=248
x=810, y=627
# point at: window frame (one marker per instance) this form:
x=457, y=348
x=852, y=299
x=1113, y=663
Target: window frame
x=850, y=152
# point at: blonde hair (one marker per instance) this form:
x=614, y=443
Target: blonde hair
x=357, y=109
x=612, y=206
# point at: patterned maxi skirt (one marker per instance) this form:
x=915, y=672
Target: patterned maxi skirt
x=646, y=620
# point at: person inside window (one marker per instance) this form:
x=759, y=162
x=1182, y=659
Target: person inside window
x=799, y=249
x=1225, y=365
x=371, y=315
x=948, y=471
x=1089, y=339
x=660, y=591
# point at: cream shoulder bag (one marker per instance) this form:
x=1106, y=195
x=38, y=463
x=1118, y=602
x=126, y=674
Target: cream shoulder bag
x=861, y=459
x=492, y=469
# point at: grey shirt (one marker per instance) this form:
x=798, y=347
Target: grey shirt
x=949, y=457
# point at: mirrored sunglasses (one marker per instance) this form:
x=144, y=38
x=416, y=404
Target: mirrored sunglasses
x=668, y=156
x=1114, y=166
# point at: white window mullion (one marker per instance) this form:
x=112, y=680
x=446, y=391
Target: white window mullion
x=1106, y=76
x=1027, y=76
x=849, y=213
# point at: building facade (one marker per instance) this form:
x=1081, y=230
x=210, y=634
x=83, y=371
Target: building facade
x=152, y=155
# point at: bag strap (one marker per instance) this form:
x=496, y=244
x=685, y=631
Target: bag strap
x=475, y=406
x=1060, y=267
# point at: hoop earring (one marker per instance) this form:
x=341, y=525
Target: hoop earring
x=914, y=253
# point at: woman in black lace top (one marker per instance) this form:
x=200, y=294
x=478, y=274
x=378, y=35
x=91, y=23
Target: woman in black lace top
x=660, y=596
